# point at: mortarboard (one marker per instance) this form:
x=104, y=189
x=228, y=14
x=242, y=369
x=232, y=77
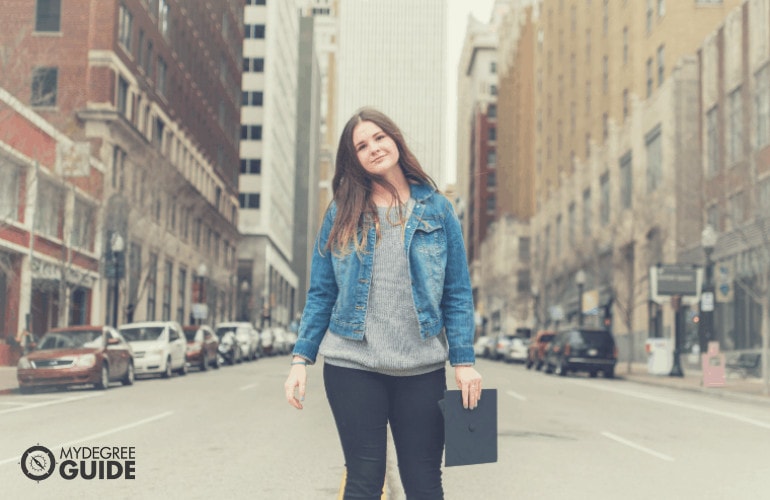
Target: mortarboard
x=470, y=436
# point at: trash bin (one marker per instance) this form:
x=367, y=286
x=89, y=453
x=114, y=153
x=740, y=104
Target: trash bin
x=660, y=356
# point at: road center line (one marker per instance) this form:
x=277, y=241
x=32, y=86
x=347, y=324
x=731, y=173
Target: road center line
x=671, y=402
x=51, y=402
x=513, y=395
x=247, y=387
x=97, y=435
x=637, y=446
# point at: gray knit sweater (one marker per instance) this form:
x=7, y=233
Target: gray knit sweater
x=392, y=344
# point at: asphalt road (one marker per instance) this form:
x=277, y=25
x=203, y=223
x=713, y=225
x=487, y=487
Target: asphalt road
x=229, y=434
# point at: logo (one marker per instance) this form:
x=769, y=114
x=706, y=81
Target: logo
x=83, y=462
x=38, y=463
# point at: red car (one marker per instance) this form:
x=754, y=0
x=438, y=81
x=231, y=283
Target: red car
x=76, y=355
x=536, y=349
x=202, y=347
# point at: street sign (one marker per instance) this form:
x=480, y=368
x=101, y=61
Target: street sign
x=707, y=302
x=200, y=311
x=675, y=279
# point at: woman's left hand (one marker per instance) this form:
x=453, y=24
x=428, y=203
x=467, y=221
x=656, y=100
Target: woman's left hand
x=469, y=382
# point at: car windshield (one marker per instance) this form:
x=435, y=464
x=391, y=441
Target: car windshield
x=224, y=329
x=190, y=334
x=590, y=338
x=142, y=333
x=546, y=338
x=72, y=340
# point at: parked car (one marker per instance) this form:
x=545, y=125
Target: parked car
x=536, y=348
x=483, y=346
x=159, y=347
x=202, y=347
x=501, y=346
x=267, y=342
x=582, y=350
x=247, y=336
x=229, y=349
x=281, y=342
x=76, y=355
x=517, y=349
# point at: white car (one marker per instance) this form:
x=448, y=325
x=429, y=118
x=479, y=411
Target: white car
x=159, y=347
x=517, y=350
x=246, y=334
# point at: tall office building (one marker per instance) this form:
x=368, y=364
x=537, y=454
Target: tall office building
x=391, y=56
x=267, y=282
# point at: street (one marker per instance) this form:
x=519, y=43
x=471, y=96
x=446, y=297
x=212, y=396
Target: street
x=229, y=433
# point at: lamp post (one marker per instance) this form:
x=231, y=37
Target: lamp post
x=117, y=246
x=580, y=279
x=535, y=292
x=244, y=312
x=202, y=271
x=708, y=241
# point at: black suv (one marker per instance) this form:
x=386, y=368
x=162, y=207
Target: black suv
x=582, y=350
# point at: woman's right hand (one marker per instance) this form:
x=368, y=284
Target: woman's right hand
x=295, y=384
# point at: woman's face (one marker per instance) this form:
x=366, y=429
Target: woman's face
x=376, y=151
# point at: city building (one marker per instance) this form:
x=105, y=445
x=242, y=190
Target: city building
x=131, y=80
x=268, y=152
x=391, y=56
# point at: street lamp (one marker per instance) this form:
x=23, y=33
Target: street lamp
x=245, y=288
x=580, y=279
x=708, y=241
x=117, y=246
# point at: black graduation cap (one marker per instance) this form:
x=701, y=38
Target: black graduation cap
x=470, y=436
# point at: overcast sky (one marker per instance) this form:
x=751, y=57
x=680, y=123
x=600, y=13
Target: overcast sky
x=457, y=22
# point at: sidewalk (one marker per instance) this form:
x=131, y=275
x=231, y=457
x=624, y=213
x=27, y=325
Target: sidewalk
x=8, y=383
x=736, y=388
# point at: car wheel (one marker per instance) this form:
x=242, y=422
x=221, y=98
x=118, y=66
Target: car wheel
x=167, y=372
x=561, y=368
x=104, y=379
x=238, y=356
x=129, y=378
x=592, y=374
x=26, y=389
x=609, y=372
x=183, y=368
x=204, y=362
x=217, y=361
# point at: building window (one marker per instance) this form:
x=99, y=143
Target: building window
x=649, y=77
x=491, y=203
x=650, y=13
x=493, y=67
x=162, y=71
x=762, y=104
x=50, y=209
x=83, y=217
x=152, y=275
x=491, y=179
x=492, y=134
x=118, y=168
x=181, y=286
x=524, y=249
x=492, y=111
x=125, y=27
x=557, y=236
x=588, y=98
x=625, y=104
x=252, y=98
x=493, y=89
x=605, y=74
x=163, y=17
x=44, y=87
x=170, y=214
x=248, y=200
x=712, y=217
x=587, y=213
x=159, y=133
x=254, y=64
x=735, y=138
x=661, y=64
x=605, y=126
x=523, y=281
x=625, y=45
x=251, y=132
x=626, y=180
x=48, y=15
x=168, y=279
x=654, y=148
x=604, y=188
x=148, y=60
x=122, y=96
x=254, y=31
x=712, y=141
x=9, y=190
x=491, y=157
x=251, y=166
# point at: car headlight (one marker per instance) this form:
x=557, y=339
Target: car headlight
x=86, y=360
x=24, y=363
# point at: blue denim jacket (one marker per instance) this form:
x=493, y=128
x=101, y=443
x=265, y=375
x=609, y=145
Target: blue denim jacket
x=438, y=268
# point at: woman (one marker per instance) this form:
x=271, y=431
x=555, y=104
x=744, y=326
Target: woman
x=389, y=281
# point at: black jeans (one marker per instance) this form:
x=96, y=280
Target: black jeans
x=363, y=403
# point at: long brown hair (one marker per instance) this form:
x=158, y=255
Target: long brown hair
x=353, y=185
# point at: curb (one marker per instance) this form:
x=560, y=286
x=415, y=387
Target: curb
x=718, y=392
